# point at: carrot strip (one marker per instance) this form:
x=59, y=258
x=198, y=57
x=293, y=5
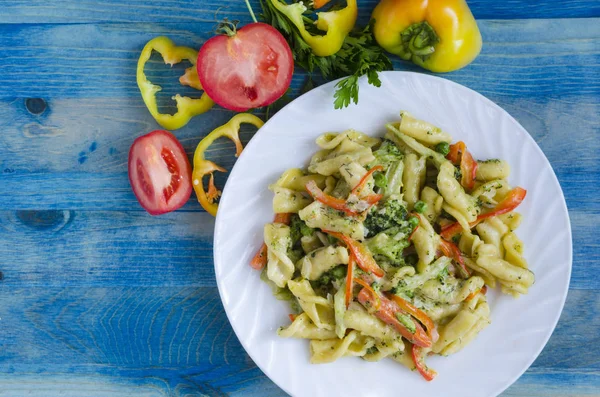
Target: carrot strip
x=349, y=279
x=362, y=256
x=374, y=294
x=387, y=313
x=260, y=259
x=451, y=251
x=363, y=181
x=418, y=314
x=419, y=360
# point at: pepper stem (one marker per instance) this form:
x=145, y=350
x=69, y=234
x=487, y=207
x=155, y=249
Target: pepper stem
x=227, y=27
x=418, y=42
x=251, y=11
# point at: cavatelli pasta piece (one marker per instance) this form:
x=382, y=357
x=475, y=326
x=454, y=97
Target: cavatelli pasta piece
x=510, y=276
x=492, y=169
x=455, y=196
x=296, y=179
x=422, y=131
x=327, y=351
x=462, y=329
x=451, y=290
x=319, y=309
x=288, y=200
x=317, y=262
x=303, y=327
x=492, y=230
x=413, y=179
x=426, y=241
x=280, y=267
x=433, y=203
x=513, y=250
x=319, y=216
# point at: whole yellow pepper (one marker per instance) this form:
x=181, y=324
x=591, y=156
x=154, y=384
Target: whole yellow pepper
x=438, y=35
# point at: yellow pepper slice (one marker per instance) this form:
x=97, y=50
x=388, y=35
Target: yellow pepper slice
x=203, y=167
x=186, y=107
x=337, y=24
x=438, y=35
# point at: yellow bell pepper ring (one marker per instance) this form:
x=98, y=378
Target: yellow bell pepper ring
x=203, y=167
x=186, y=107
x=336, y=25
x=438, y=35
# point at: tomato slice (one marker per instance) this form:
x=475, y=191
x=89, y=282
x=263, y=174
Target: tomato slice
x=250, y=69
x=160, y=173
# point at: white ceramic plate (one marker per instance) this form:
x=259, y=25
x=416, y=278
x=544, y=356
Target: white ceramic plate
x=520, y=327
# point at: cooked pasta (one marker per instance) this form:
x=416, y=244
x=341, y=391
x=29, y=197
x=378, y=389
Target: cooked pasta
x=386, y=247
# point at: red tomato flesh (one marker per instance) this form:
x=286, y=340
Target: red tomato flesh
x=251, y=69
x=160, y=173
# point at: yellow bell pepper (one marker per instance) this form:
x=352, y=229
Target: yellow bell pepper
x=438, y=35
x=337, y=24
x=203, y=167
x=186, y=107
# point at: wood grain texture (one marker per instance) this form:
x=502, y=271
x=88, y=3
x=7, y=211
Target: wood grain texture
x=100, y=299
x=98, y=248
x=173, y=341
x=74, y=11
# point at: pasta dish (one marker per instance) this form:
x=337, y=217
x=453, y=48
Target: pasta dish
x=385, y=247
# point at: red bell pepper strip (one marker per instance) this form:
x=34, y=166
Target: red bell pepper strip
x=363, y=257
x=337, y=203
x=260, y=259
x=363, y=181
x=292, y=317
x=468, y=166
x=468, y=170
x=510, y=202
x=349, y=279
x=472, y=295
x=418, y=314
x=419, y=360
x=376, y=302
x=387, y=313
x=451, y=251
x=456, y=149
x=330, y=201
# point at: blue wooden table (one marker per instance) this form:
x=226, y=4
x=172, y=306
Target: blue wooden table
x=99, y=298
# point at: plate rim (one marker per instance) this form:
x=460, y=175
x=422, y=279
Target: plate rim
x=563, y=205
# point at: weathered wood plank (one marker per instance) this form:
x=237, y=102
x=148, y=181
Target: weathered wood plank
x=71, y=159
x=74, y=11
x=168, y=339
x=97, y=248
x=527, y=58
x=65, y=247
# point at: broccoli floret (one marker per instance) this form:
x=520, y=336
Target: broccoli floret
x=295, y=254
x=391, y=243
x=326, y=278
x=380, y=180
x=390, y=214
x=387, y=154
x=298, y=228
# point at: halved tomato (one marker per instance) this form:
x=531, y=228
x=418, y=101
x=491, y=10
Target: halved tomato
x=249, y=69
x=160, y=173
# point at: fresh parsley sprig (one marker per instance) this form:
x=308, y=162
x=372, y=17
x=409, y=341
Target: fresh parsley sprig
x=360, y=55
